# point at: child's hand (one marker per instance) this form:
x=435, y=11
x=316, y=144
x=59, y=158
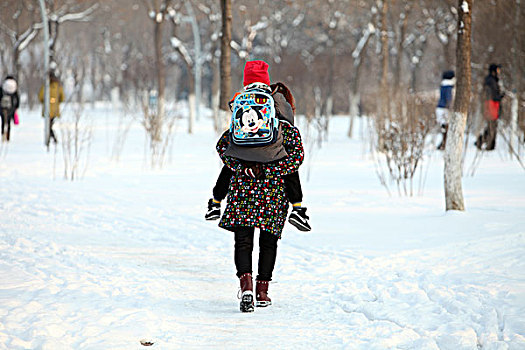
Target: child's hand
x=254, y=170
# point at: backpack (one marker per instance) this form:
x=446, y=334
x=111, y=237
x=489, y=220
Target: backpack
x=6, y=102
x=253, y=122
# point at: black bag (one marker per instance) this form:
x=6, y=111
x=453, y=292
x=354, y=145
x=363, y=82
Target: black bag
x=6, y=102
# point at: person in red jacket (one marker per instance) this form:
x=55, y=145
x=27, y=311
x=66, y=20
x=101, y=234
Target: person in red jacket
x=492, y=108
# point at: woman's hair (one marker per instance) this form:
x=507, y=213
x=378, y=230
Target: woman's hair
x=283, y=89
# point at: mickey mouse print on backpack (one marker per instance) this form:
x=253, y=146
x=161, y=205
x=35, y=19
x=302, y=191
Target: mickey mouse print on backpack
x=253, y=120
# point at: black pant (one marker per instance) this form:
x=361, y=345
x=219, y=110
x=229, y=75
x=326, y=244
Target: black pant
x=6, y=123
x=244, y=249
x=489, y=135
x=52, y=135
x=292, y=186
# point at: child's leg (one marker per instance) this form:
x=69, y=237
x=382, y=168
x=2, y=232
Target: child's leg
x=223, y=183
x=292, y=188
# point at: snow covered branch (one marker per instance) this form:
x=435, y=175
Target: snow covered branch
x=370, y=29
x=28, y=36
x=82, y=16
x=177, y=44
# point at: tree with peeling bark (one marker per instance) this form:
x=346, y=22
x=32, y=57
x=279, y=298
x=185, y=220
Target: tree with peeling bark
x=454, y=146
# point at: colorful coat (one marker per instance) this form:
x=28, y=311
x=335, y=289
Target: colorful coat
x=261, y=203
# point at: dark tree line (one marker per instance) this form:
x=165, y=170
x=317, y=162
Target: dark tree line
x=321, y=48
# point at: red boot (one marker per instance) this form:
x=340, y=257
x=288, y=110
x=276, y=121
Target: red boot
x=261, y=294
x=246, y=292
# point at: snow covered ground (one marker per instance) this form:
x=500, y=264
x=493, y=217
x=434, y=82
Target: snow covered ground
x=124, y=254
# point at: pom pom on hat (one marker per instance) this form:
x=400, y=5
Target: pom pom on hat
x=256, y=72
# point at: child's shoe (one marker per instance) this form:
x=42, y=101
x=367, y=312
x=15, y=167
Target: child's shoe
x=299, y=219
x=214, y=210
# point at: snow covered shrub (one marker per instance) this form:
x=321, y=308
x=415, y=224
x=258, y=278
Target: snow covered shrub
x=399, y=141
x=158, y=126
x=76, y=130
x=77, y=134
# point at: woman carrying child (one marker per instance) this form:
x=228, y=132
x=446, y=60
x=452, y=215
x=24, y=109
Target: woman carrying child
x=257, y=197
x=285, y=111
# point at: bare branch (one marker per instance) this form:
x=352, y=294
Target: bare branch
x=79, y=16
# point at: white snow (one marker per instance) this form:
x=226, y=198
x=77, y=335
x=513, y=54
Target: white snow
x=464, y=7
x=124, y=254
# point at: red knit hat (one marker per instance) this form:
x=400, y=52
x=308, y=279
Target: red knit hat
x=256, y=72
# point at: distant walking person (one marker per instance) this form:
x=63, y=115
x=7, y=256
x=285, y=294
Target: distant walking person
x=56, y=96
x=9, y=103
x=492, y=108
x=444, y=104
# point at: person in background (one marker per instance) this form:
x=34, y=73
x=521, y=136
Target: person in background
x=492, y=96
x=56, y=96
x=444, y=104
x=9, y=103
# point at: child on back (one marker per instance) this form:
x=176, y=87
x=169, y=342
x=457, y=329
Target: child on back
x=256, y=76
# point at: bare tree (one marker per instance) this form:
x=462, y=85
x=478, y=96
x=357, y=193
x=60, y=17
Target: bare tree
x=402, y=30
x=193, y=63
x=24, y=30
x=454, y=146
x=354, y=97
x=157, y=129
x=59, y=13
x=76, y=129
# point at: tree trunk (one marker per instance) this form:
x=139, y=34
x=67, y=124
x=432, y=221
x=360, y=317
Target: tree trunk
x=16, y=64
x=402, y=34
x=161, y=79
x=226, y=10
x=353, y=100
x=354, y=96
x=46, y=73
x=384, y=112
x=514, y=136
x=516, y=80
x=447, y=51
x=384, y=50
x=329, y=107
x=454, y=145
x=191, y=102
x=215, y=94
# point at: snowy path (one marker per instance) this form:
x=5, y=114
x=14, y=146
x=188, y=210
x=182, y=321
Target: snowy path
x=124, y=255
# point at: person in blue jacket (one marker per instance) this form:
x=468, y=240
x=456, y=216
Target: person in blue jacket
x=444, y=104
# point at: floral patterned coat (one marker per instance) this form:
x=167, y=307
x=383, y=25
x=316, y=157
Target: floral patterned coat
x=261, y=203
